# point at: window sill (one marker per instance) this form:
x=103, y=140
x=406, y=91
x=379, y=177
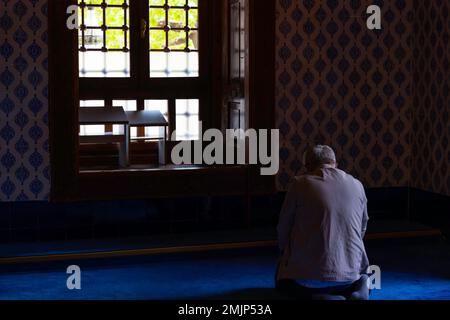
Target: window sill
x=161, y=182
x=168, y=169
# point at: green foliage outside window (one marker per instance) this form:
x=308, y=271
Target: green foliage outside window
x=115, y=17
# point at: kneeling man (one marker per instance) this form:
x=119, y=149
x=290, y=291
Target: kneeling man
x=320, y=233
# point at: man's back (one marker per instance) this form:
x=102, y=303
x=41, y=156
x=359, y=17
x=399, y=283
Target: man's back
x=321, y=228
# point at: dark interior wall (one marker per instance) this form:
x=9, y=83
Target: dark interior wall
x=50, y=221
x=431, y=148
x=340, y=83
x=24, y=153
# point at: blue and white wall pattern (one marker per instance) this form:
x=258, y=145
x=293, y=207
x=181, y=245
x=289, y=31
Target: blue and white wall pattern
x=24, y=145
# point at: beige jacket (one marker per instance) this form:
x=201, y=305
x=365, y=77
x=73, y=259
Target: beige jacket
x=321, y=228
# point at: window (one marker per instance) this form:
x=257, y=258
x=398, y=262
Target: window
x=181, y=99
x=145, y=55
x=174, y=38
x=94, y=129
x=187, y=119
x=104, y=38
x=127, y=105
x=156, y=105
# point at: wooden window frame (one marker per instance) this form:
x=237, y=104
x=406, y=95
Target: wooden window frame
x=140, y=86
x=68, y=184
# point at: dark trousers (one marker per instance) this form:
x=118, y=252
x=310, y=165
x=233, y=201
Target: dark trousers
x=355, y=291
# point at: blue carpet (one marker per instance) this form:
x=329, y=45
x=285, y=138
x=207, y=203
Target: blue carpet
x=409, y=272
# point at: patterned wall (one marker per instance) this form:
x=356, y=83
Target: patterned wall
x=340, y=83
x=24, y=153
x=432, y=99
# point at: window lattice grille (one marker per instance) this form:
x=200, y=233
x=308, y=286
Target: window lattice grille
x=174, y=38
x=104, y=25
x=173, y=25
